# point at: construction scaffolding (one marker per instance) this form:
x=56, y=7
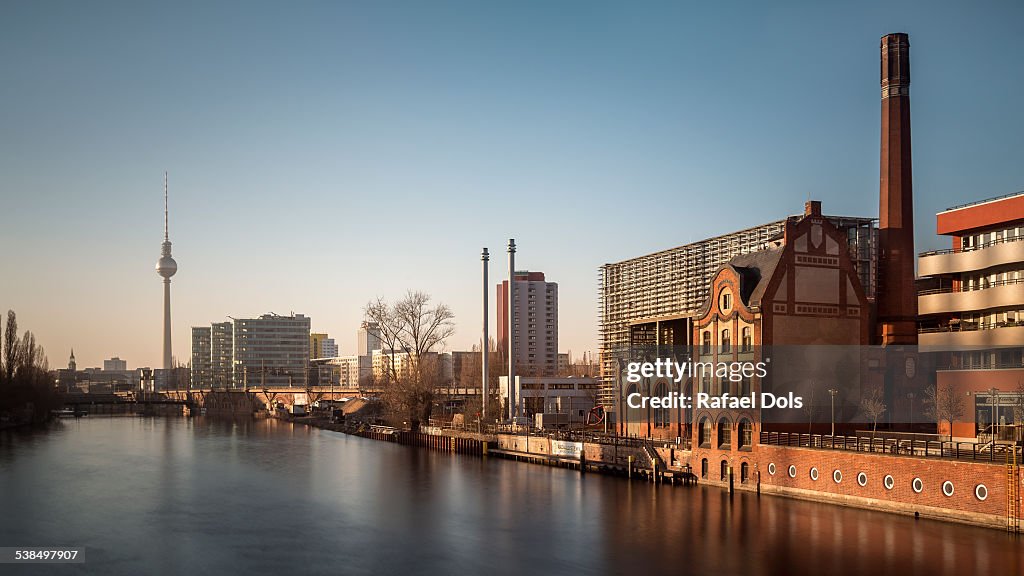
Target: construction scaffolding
x=675, y=283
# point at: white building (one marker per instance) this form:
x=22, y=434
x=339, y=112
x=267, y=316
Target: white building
x=550, y=395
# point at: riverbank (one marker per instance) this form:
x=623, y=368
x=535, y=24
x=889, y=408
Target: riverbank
x=902, y=480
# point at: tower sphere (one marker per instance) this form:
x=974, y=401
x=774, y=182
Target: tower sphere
x=166, y=266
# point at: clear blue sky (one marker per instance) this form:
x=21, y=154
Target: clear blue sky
x=324, y=153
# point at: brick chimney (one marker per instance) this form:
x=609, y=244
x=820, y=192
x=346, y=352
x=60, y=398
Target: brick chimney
x=897, y=298
x=812, y=208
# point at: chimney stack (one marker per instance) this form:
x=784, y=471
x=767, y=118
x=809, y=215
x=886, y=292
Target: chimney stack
x=897, y=297
x=812, y=208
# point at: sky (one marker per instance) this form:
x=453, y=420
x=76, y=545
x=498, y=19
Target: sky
x=323, y=154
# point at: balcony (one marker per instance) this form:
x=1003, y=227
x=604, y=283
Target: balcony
x=997, y=253
x=968, y=335
x=1001, y=294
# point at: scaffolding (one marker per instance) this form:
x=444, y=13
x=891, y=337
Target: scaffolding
x=675, y=282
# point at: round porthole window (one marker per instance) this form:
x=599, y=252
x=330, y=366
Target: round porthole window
x=862, y=479
x=947, y=488
x=980, y=492
x=792, y=471
x=837, y=476
x=917, y=485
x=888, y=482
x=814, y=473
x=771, y=468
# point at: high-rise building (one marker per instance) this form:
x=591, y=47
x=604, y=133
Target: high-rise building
x=535, y=325
x=221, y=354
x=202, y=361
x=271, y=351
x=368, y=339
x=322, y=346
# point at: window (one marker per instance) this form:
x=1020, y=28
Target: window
x=724, y=473
x=704, y=468
x=746, y=434
x=726, y=302
x=744, y=472
x=706, y=343
x=726, y=341
x=704, y=433
x=661, y=414
x=747, y=341
x=724, y=433
x=632, y=414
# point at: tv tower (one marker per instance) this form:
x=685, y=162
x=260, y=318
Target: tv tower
x=166, y=267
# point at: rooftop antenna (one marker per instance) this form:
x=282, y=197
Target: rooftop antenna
x=165, y=206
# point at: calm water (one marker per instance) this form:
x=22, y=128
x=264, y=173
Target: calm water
x=203, y=496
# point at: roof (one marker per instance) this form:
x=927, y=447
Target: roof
x=755, y=270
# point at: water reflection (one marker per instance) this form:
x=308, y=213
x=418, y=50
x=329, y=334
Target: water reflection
x=169, y=495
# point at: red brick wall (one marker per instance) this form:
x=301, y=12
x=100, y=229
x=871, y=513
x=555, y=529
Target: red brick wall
x=933, y=472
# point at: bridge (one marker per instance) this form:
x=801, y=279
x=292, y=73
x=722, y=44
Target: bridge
x=212, y=397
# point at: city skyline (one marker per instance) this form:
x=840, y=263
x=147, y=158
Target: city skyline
x=366, y=150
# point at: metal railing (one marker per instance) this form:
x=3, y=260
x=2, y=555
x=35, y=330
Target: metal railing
x=981, y=246
x=985, y=286
x=969, y=327
x=989, y=452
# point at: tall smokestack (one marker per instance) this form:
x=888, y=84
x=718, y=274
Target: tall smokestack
x=512, y=400
x=484, y=348
x=897, y=298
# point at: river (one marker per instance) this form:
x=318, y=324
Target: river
x=168, y=495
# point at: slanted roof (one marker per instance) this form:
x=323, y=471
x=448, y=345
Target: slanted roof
x=755, y=270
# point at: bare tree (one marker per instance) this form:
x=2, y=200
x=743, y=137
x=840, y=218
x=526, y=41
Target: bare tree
x=872, y=407
x=944, y=404
x=411, y=327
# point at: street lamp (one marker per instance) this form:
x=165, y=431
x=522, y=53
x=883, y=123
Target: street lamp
x=994, y=400
x=832, y=392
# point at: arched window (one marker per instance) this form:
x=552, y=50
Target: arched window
x=706, y=342
x=726, y=341
x=746, y=434
x=748, y=341
x=744, y=472
x=724, y=470
x=633, y=415
x=661, y=415
x=704, y=432
x=704, y=468
x=724, y=433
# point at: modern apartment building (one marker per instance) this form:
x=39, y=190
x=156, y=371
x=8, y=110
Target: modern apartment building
x=222, y=354
x=321, y=345
x=971, y=306
x=535, y=329
x=202, y=358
